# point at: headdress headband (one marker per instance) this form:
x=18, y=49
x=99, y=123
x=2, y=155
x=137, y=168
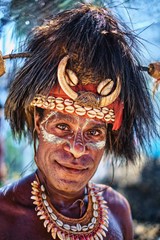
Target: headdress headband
x=94, y=101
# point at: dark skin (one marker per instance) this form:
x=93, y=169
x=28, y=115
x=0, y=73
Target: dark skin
x=17, y=215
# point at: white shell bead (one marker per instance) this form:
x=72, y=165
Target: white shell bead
x=90, y=225
x=59, y=223
x=94, y=220
x=95, y=206
x=53, y=216
x=69, y=109
x=94, y=199
x=68, y=102
x=91, y=113
x=95, y=213
x=60, y=106
x=100, y=115
x=59, y=100
x=85, y=228
x=107, y=118
x=66, y=226
x=42, y=188
x=80, y=111
x=105, y=110
x=113, y=119
x=46, y=203
x=74, y=228
x=111, y=112
x=44, y=196
x=79, y=227
x=51, y=99
x=49, y=209
x=52, y=105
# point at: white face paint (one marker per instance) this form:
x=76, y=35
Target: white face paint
x=97, y=145
x=71, y=141
x=51, y=138
x=48, y=137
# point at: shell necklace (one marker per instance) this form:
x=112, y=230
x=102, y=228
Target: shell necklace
x=93, y=225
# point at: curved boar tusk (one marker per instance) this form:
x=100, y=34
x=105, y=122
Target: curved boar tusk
x=62, y=79
x=105, y=101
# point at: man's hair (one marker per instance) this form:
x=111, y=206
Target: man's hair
x=99, y=47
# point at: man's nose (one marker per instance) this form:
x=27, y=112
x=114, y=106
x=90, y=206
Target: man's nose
x=77, y=147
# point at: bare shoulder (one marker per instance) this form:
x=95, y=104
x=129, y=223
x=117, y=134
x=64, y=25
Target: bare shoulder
x=119, y=207
x=14, y=201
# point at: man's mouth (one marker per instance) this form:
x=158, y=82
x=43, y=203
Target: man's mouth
x=71, y=168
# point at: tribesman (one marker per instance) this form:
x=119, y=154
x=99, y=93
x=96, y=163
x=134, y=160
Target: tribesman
x=80, y=96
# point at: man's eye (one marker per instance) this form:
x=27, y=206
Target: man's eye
x=94, y=132
x=63, y=127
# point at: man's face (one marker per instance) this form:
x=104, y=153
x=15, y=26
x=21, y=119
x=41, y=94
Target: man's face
x=70, y=149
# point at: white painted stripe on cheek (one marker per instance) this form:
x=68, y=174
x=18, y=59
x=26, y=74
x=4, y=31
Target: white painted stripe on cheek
x=97, y=145
x=51, y=137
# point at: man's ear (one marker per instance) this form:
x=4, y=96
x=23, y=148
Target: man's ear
x=37, y=123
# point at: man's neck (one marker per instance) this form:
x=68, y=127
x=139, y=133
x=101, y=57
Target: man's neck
x=69, y=204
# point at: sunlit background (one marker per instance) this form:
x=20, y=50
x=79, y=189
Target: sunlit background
x=140, y=184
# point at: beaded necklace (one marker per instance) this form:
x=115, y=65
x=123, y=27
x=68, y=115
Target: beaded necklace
x=92, y=225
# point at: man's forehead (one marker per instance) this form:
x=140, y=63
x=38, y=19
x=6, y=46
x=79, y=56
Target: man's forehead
x=73, y=118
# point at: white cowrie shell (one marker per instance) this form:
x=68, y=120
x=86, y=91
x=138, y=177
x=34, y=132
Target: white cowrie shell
x=68, y=102
x=51, y=99
x=69, y=109
x=52, y=105
x=53, y=216
x=107, y=117
x=100, y=115
x=59, y=223
x=74, y=228
x=95, y=206
x=95, y=214
x=80, y=111
x=49, y=209
x=66, y=226
x=111, y=112
x=42, y=188
x=91, y=113
x=85, y=228
x=90, y=225
x=93, y=220
x=105, y=110
x=105, y=87
x=60, y=106
x=59, y=100
x=46, y=203
x=44, y=196
x=79, y=227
